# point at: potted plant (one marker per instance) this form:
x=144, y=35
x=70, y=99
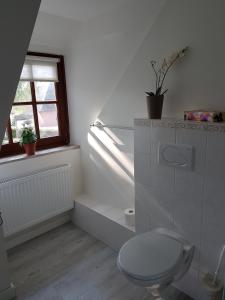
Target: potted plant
x=155, y=99
x=28, y=140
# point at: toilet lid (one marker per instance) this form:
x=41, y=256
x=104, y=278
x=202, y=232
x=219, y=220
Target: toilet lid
x=150, y=255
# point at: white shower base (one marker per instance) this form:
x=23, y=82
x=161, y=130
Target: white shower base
x=103, y=221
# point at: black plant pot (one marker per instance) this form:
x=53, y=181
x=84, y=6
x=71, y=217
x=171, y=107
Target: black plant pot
x=155, y=105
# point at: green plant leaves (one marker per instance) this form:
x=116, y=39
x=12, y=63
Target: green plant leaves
x=27, y=136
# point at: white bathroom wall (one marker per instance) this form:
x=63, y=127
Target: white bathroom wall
x=107, y=68
x=195, y=82
x=108, y=73
x=190, y=202
x=53, y=34
x=95, y=67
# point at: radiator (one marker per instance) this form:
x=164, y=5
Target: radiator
x=36, y=197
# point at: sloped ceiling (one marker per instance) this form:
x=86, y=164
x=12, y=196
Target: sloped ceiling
x=80, y=10
x=17, y=20
x=53, y=33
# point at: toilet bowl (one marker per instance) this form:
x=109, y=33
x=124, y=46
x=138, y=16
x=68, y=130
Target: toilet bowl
x=155, y=259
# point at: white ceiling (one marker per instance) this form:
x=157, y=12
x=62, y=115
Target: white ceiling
x=80, y=10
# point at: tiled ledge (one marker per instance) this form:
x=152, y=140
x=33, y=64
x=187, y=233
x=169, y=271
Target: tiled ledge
x=16, y=158
x=104, y=209
x=178, y=123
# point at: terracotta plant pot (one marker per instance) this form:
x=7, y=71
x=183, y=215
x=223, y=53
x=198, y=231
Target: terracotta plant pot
x=155, y=105
x=30, y=149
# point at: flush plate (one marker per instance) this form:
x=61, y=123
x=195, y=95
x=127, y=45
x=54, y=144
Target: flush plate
x=178, y=156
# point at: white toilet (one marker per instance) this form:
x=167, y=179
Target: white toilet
x=155, y=259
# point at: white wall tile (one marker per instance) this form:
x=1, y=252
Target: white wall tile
x=175, y=192
x=213, y=234
x=142, y=139
x=160, y=209
x=142, y=217
x=190, y=202
x=187, y=220
x=152, y=208
x=215, y=155
x=161, y=177
x=191, y=182
x=214, y=201
x=142, y=169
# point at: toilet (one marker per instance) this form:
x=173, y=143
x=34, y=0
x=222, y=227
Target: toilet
x=155, y=259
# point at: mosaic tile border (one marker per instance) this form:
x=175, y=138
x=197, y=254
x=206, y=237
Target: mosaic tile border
x=177, y=123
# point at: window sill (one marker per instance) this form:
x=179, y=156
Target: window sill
x=15, y=158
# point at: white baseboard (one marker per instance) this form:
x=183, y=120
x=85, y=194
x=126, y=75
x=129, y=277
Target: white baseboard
x=36, y=230
x=9, y=293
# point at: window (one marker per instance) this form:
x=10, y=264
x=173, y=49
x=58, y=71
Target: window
x=40, y=102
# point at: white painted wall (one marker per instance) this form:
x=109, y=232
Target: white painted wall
x=96, y=65
x=80, y=10
x=53, y=34
x=15, y=38
x=108, y=73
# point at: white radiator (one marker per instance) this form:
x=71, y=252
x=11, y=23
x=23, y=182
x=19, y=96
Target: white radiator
x=33, y=198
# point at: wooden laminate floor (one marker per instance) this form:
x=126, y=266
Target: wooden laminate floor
x=68, y=264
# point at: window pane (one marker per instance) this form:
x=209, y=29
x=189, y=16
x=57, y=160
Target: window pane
x=48, y=120
x=23, y=93
x=45, y=91
x=21, y=116
x=5, y=139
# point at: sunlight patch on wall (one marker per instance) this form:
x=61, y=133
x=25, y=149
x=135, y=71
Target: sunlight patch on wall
x=114, y=138
x=109, y=143
x=108, y=159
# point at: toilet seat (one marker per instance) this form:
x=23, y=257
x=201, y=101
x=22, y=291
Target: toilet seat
x=150, y=256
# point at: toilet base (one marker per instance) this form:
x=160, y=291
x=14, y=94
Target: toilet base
x=154, y=291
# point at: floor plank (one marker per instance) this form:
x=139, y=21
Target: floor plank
x=68, y=264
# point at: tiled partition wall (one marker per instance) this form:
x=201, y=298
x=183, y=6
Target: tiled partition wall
x=189, y=202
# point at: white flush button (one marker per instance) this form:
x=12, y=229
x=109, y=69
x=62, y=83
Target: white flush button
x=179, y=156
